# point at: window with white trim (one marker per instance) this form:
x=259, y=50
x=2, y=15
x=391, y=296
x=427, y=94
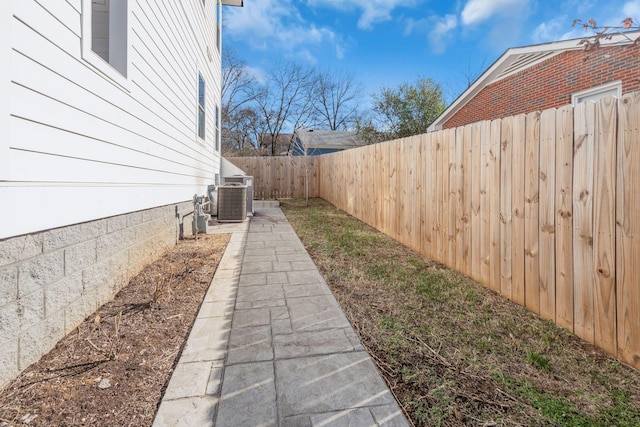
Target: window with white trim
x=597, y=92
x=201, y=110
x=105, y=35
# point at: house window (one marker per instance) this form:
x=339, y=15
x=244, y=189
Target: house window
x=598, y=92
x=217, y=128
x=201, y=111
x=105, y=35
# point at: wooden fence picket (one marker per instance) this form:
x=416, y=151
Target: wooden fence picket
x=604, y=194
x=531, y=213
x=518, y=146
x=583, y=220
x=546, y=236
x=564, y=218
x=628, y=230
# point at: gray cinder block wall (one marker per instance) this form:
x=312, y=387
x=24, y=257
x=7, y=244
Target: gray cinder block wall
x=52, y=280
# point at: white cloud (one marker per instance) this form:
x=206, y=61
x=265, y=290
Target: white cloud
x=552, y=30
x=631, y=9
x=256, y=74
x=275, y=23
x=578, y=8
x=306, y=56
x=372, y=11
x=476, y=11
x=441, y=32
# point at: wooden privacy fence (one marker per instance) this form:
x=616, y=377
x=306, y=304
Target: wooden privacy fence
x=280, y=177
x=543, y=208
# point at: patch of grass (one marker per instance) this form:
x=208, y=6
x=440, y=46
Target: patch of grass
x=432, y=286
x=452, y=351
x=539, y=361
x=623, y=412
x=562, y=412
x=388, y=323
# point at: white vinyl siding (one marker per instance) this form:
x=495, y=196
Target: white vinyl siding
x=6, y=17
x=84, y=147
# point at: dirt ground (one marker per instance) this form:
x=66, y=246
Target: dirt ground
x=112, y=369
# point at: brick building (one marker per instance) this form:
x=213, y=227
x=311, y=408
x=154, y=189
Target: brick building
x=543, y=76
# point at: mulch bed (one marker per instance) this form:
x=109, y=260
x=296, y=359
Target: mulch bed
x=112, y=369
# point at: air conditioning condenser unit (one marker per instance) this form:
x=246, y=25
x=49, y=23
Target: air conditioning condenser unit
x=232, y=202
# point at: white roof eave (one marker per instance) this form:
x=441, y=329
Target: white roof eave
x=494, y=72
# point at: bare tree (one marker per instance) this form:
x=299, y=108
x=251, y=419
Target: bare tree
x=238, y=117
x=337, y=100
x=236, y=83
x=241, y=132
x=284, y=101
x=470, y=73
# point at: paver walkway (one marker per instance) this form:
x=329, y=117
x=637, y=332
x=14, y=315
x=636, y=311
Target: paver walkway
x=271, y=346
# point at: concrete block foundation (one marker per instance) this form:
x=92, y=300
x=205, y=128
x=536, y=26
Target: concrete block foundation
x=52, y=280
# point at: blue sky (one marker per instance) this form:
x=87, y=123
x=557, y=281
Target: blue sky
x=388, y=42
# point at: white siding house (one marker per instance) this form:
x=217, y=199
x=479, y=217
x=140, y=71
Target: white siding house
x=109, y=116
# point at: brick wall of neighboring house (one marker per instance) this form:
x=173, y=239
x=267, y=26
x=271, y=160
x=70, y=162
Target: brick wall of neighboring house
x=551, y=83
x=52, y=280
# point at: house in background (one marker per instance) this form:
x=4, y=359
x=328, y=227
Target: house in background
x=109, y=111
x=549, y=75
x=317, y=142
x=265, y=145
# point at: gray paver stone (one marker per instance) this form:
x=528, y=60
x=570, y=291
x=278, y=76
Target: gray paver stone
x=304, y=277
x=257, y=267
x=348, y=418
x=260, y=293
x=248, y=396
x=253, y=279
x=329, y=383
x=253, y=317
x=300, y=344
x=298, y=291
x=250, y=345
x=316, y=313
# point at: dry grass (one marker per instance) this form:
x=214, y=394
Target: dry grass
x=454, y=352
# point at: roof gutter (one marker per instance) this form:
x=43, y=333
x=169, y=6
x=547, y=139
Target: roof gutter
x=238, y=3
